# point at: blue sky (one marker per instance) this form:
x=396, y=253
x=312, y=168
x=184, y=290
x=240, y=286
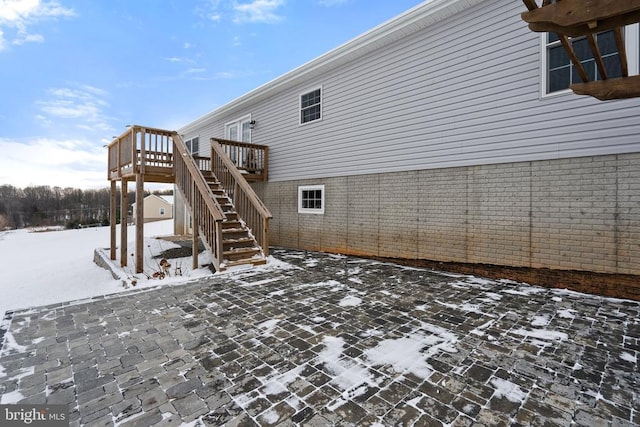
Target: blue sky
x=73, y=73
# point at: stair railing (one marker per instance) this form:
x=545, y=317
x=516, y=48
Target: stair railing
x=207, y=213
x=247, y=203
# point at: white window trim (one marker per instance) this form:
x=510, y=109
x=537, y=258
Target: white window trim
x=300, y=105
x=632, y=44
x=312, y=188
x=238, y=122
x=187, y=144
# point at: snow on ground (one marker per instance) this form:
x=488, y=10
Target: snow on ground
x=47, y=267
x=41, y=268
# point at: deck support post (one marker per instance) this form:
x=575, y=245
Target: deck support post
x=113, y=219
x=139, y=223
x=124, y=208
x=195, y=234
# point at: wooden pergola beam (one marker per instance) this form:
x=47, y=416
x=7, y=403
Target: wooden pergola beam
x=622, y=51
x=580, y=17
x=597, y=56
x=568, y=47
x=604, y=90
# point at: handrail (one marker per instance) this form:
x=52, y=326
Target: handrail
x=207, y=212
x=252, y=158
x=248, y=205
x=139, y=148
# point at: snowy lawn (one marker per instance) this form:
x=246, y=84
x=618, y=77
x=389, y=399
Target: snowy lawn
x=41, y=268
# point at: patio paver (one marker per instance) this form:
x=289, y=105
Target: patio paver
x=333, y=341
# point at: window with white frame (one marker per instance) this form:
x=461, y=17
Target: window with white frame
x=311, y=106
x=559, y=72
x=193, y=145
x=161, y=211
x=311, y=199
x=239, y=130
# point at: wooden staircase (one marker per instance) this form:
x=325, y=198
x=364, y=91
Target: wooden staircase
x=239, y=246
x=228, y=216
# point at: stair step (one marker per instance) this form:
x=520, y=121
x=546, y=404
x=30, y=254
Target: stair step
x=234, y=233
x=246, y=239
x=231, y=216
x=254, y=261
x=241, y=254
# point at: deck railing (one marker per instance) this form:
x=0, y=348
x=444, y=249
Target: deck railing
x=207, y=213
x=252, y=159
x=247, y=203
x=141, y=150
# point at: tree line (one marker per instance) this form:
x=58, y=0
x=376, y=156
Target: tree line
x=42, y=205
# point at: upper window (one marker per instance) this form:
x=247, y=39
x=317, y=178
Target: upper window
x=161, y=211
x=311, y=106
x=311, y=199
x=558, y=70
x=193, y=145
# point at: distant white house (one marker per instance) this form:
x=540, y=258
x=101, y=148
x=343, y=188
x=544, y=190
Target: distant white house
x=156, y=208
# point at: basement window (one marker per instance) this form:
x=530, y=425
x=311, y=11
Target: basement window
x=311, y=199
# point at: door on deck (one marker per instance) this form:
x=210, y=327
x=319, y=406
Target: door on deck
x=238, y=130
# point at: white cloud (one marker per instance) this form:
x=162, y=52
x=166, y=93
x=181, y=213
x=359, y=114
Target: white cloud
x=45, y=161
x=257, y=11
x=84, y=104
x=18, y=15
x=330, y=3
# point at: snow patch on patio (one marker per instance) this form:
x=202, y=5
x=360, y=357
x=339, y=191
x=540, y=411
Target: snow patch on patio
x=540, y=320
x=11, y=398
x=543, y=334
x=508, y=390
x=628, y=357
x=403, y=355
x=352, y=379
x=350, y=301
x=567, y=313
x=10, y=345
x=268, y=327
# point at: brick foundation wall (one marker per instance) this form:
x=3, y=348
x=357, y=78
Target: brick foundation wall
x=560, y=221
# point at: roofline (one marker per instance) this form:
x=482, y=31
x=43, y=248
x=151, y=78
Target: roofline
x=403, y=25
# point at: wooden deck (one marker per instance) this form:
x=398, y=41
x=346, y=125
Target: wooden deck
x=149, y=155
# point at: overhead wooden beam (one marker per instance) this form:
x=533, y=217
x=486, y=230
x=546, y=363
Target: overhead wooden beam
x=622, y=51
x=618, y=88
x=580, y=17
x=568, y=47
x=531, y=4
x=597, y=56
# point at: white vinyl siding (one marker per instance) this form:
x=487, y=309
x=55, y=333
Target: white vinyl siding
x=462, y=91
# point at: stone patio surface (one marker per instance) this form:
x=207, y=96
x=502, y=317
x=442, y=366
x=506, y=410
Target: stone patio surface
x=331, y=341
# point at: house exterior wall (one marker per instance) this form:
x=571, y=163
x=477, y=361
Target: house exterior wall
x=438, y=146
x=462, y=91
x=566, y=214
